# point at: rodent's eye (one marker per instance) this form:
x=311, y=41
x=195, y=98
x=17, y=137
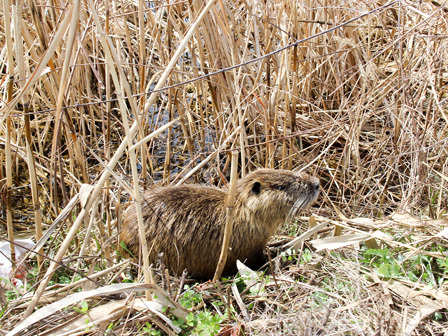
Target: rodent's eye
x=256, y=188
x=281, y=187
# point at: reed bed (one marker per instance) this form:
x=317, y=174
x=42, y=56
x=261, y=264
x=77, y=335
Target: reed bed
x=101, y=100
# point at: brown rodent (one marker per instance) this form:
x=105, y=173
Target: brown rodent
x=187, y=222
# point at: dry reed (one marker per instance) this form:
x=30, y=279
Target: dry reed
x=85, y=85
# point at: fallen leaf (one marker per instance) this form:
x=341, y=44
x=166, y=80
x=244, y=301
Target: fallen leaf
x=46, y=311
x=332, y=243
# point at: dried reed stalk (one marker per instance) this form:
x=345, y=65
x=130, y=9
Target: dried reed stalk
x=8, y=155
x=229, y=218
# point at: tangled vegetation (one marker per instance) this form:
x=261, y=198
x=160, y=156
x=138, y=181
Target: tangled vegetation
x=103, y=99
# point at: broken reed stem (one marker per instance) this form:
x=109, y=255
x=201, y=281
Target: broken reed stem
x=229, y=219
x=119, y=79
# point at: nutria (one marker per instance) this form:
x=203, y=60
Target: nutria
x=187, y=222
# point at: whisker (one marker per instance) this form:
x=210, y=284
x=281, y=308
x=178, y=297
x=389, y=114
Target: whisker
x=296, y=208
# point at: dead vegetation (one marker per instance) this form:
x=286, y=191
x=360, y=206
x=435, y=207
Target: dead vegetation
x=354, y=93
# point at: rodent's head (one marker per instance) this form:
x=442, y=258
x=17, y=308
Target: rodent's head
x=280, y=190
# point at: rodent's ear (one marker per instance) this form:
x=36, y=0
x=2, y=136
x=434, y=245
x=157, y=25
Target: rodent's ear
x=256, y=188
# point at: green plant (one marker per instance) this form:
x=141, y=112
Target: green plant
x=150, y=330
x=110, y=328
x=443, y=264
x=190, y=298
x=204, y=323
x=383, y=263
x=84, y=308
x=390, y=264
x=13, y=293
x=292, y=255
x=201, y=322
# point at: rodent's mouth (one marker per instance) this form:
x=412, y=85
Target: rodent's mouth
x=301, y=203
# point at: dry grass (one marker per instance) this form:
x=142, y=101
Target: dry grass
x=363, y=106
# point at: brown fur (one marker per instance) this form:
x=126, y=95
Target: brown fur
x=187, y=222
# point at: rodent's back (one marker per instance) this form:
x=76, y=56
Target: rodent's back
x=170, y=215
x=187, y=222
